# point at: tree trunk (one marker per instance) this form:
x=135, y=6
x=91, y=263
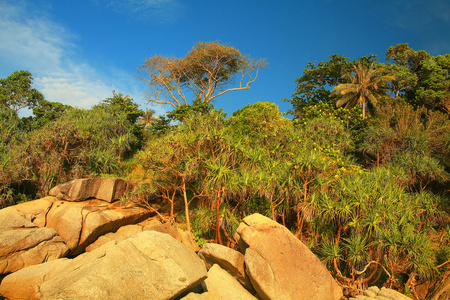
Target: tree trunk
x=186, y=207
x=364, y=110
x=272, y=207
x=218, y=239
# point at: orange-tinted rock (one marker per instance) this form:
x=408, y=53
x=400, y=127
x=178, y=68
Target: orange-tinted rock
x=107, y=189
x=228, y=259
x=149, y=265
x=180, y=235
x=82, y=223
x=280, y=266
x=22, y=285
x=23, y=243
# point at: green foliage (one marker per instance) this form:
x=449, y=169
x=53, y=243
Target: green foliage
x=364, y=88
x=43, y=113
x=10, y=135
x=318, y=78
x=71, y=146
x=258, y=120
x=375, y=219
x=313, y=86
x=413, y=139
x=126, y=105
x=16, y=91
x=421, y=78
x=183, y=111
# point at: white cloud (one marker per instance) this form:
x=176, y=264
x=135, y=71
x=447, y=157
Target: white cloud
x=161, y=10
x=34, y=42
x=46, y=49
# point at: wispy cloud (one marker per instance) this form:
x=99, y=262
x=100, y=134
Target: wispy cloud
x=418, y=13
x=49, y=51
x=37, y=43
x=159, y=10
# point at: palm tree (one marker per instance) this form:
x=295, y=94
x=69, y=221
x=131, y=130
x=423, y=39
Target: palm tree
x=148, y=118
x=365, y=86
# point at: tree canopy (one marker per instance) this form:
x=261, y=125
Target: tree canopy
x=423, y=80
x=16, y=91
x=206, y=72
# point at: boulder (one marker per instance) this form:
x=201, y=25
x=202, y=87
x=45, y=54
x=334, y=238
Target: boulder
x=280, y=266
x=23, y=243
x=374, y=293
x=228, y=259
x=106, y=189
x=149, y=265
x=222, y=286
x=441, y=289
x=36, y=211
x=81, y=223
x=121, y=234
x=180, y=235
x=22, y=285
x=194, y=296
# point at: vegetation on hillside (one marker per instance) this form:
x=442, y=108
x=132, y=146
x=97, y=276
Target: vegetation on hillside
x=369, y=194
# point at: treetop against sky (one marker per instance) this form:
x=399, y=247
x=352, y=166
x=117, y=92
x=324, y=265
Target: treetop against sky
x=80, y=51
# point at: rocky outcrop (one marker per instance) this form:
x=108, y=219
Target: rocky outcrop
x=23, y=243
x=47, y=229
x=121, y=234
x=441, y=289
x=106, y=189
x=280, y=266
x=180, y=235
x=222, y=286
x=134, y=260
x=81, y=223
x=149, y=265
x=22, y=285
x=184, y=237
x=374, y=293
x=228, y=259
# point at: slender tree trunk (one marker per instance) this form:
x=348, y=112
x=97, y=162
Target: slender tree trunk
x=186, y=207
x=218, y=239
x=272, y=207
x=364, y=110
x=171, y=205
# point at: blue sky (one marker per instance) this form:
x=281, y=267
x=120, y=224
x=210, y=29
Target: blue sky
x=79, y=51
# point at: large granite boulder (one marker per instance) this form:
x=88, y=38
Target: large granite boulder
x=149, y=265
x=375, y=293
x=280, y=266
x=180, y=235
x=121, y=234
x=81, y=223
x=184, y=237
x=23, y=285
x=107, y=189
x=441, y=289
x=222, y=286
x=228, y=259
x=23, y=243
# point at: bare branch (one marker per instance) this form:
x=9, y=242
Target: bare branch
x=205, y=72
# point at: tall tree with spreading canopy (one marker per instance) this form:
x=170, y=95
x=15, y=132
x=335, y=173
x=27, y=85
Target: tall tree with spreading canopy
x=16, y=91
x=317, y=80
x=422, y=79
x=366, y=83
x=206, y=72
